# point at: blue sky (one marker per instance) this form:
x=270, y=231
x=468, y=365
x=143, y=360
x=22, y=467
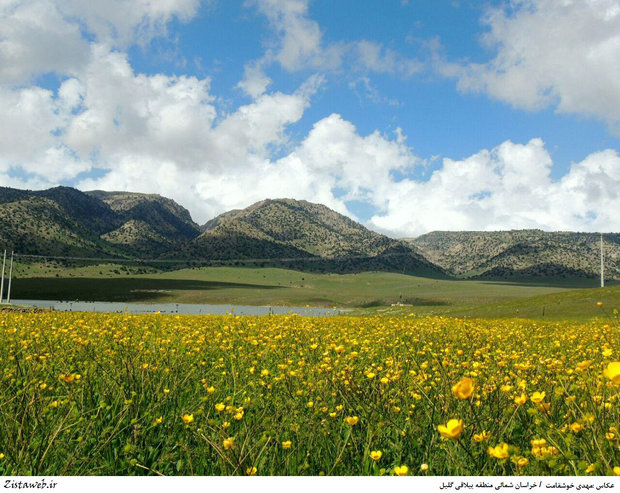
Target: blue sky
x=410, y=116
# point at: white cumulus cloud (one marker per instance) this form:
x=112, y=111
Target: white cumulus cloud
x=562, y=54
x=43, y=36
x=508, y=187
x=35, y=39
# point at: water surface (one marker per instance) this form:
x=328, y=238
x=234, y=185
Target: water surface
x=180, y=308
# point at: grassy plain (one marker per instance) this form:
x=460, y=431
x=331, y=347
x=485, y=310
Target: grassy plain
x=367, y=292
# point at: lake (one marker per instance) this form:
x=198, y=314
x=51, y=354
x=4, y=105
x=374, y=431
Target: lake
x=176, y=308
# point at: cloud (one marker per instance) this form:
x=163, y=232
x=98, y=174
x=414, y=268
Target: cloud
x=120, y=23
x=299, y=37
x=43, y=36
x=374, y=57
x=334, y=153
x=508, y=187
x=550, y=53
x=254, y=82
x=36, y=39
x=123, y=113
x=28, y=119
x=298, y=45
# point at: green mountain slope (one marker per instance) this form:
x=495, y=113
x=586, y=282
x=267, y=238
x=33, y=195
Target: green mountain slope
x=88, y=211
x=304, y=235
x=163, y=216
x=521, y=254
x=40, y=226
x=63, y=221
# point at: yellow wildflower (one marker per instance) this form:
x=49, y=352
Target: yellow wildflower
x=613, y=372
x=500, y=451
x=576, y=427
x=187, y=418
x=403, y=470
x=452, y=429
x=583, y=365
x=520, y=400
x=480, y=437
x=375, y=455
x=463, y=389
x=522, y=461
x=351, y=420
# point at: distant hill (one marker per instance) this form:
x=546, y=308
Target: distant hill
x=521, y=254
x=146, y=223
x=63, y=221
x=300, y=234
x=60, y=222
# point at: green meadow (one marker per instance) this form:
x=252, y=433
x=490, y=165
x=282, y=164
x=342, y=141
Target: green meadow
x=363, y=293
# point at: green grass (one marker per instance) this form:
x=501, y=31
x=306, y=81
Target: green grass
x=576, y=304
x=369, y=292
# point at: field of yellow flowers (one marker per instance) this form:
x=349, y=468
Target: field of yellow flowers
x=119, y=394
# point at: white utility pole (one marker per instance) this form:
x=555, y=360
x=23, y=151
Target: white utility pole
x=2, y=282
x=8, y=292
x=602, y=264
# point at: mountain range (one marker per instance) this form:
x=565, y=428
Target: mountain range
x=66, y=222
x=521, y=254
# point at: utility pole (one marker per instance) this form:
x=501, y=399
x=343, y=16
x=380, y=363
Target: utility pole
x=2, y=282
x=602, y=264
x=8, y=293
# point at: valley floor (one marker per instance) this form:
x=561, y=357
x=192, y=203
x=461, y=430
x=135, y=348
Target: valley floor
x=368, y=292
